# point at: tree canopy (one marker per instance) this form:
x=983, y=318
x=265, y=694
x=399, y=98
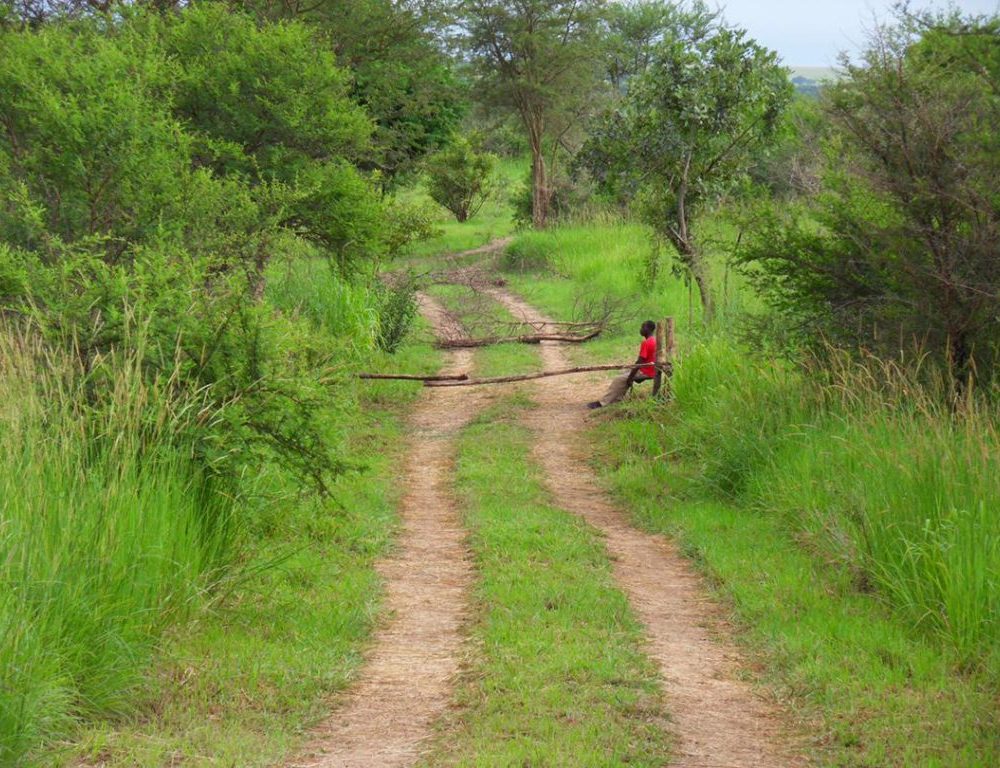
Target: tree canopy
x=688, y=127
x=542, y=59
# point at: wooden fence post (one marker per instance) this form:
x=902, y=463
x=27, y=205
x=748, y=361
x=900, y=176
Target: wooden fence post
x=664, y=353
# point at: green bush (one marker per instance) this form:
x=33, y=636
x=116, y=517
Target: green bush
x=396, y=310
x=461, y=179
x=154, y=173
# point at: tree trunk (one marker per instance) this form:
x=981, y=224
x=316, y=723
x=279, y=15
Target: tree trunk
x=700, y=272
x=960, y=362
x=692, y=258
x=535, y=126
x=539, y=189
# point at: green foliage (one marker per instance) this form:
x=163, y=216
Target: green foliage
x=884, y=480
x=151, y=168
x=634, y=31
x=897, y=251
x=461, y=179
x=401, y=73
x=113, y=531
x=689, y=127
x=541, y=60
x=397, y=306
x=263, y=100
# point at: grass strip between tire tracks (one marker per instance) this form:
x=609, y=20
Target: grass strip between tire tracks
x=558, y=677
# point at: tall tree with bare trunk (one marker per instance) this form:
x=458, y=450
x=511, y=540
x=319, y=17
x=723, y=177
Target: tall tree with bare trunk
x=541, y=58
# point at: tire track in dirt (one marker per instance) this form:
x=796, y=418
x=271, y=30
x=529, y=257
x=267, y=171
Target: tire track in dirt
x=408, y=676
x=719, y=722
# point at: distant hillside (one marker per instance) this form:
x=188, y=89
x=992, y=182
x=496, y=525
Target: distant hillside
x=809, y=80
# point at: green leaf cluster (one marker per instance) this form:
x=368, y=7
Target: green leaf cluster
x=461, y=179
x=151, y=167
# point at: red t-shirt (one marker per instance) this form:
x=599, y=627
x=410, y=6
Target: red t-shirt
x=647, y=354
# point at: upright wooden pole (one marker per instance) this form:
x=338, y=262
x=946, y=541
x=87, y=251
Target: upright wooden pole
x=664, y=352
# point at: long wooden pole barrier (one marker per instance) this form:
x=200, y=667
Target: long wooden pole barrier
x=410, y=377
x=529, y=376
x=523, y=339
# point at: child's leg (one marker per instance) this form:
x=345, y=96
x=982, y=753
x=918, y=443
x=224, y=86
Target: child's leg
x=619, y=386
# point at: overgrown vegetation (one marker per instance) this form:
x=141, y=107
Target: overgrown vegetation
x=897, y=250
x=196, y=204
x=165, y=180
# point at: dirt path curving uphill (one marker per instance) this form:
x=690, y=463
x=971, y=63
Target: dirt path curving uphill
x=719, y=722
x=407, y=680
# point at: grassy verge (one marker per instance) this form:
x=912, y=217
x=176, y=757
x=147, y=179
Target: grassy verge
x=240, y=684
x=883, y=694
x=559, y=678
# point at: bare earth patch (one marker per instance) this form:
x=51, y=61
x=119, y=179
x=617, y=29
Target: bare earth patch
x=719, y=721
x=408, y=676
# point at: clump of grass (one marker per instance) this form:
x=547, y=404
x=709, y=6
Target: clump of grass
x=109, y=534
x=311, y=287
x=529, y=252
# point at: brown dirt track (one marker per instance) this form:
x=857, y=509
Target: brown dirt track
x=718, y=721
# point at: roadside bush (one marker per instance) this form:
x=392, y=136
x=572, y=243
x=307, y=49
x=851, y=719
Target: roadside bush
x=145, y=383
x=397, y=306
x=461, y=179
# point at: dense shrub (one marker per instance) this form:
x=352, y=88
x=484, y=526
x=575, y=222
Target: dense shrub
x=461, y=179
x=153, y=169
x=160, y=166
x=397, y=306
x=897, y=250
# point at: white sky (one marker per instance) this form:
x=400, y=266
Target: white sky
x=813, y=33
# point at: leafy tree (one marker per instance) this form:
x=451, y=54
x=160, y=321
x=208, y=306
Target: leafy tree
x=402, y=75
x=898, y=249
x=634, y=31
x=120, y=210
x=540, y=58
x=689, y=128
x=461, y=179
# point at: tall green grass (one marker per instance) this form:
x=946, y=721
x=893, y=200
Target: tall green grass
x=880, y=475
x=109, y=534
x=312, y=288
x=584, y=267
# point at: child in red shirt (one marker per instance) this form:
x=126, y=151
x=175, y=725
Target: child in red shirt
x=621, y=384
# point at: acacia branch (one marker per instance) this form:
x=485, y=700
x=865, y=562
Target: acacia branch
x=535, y=338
